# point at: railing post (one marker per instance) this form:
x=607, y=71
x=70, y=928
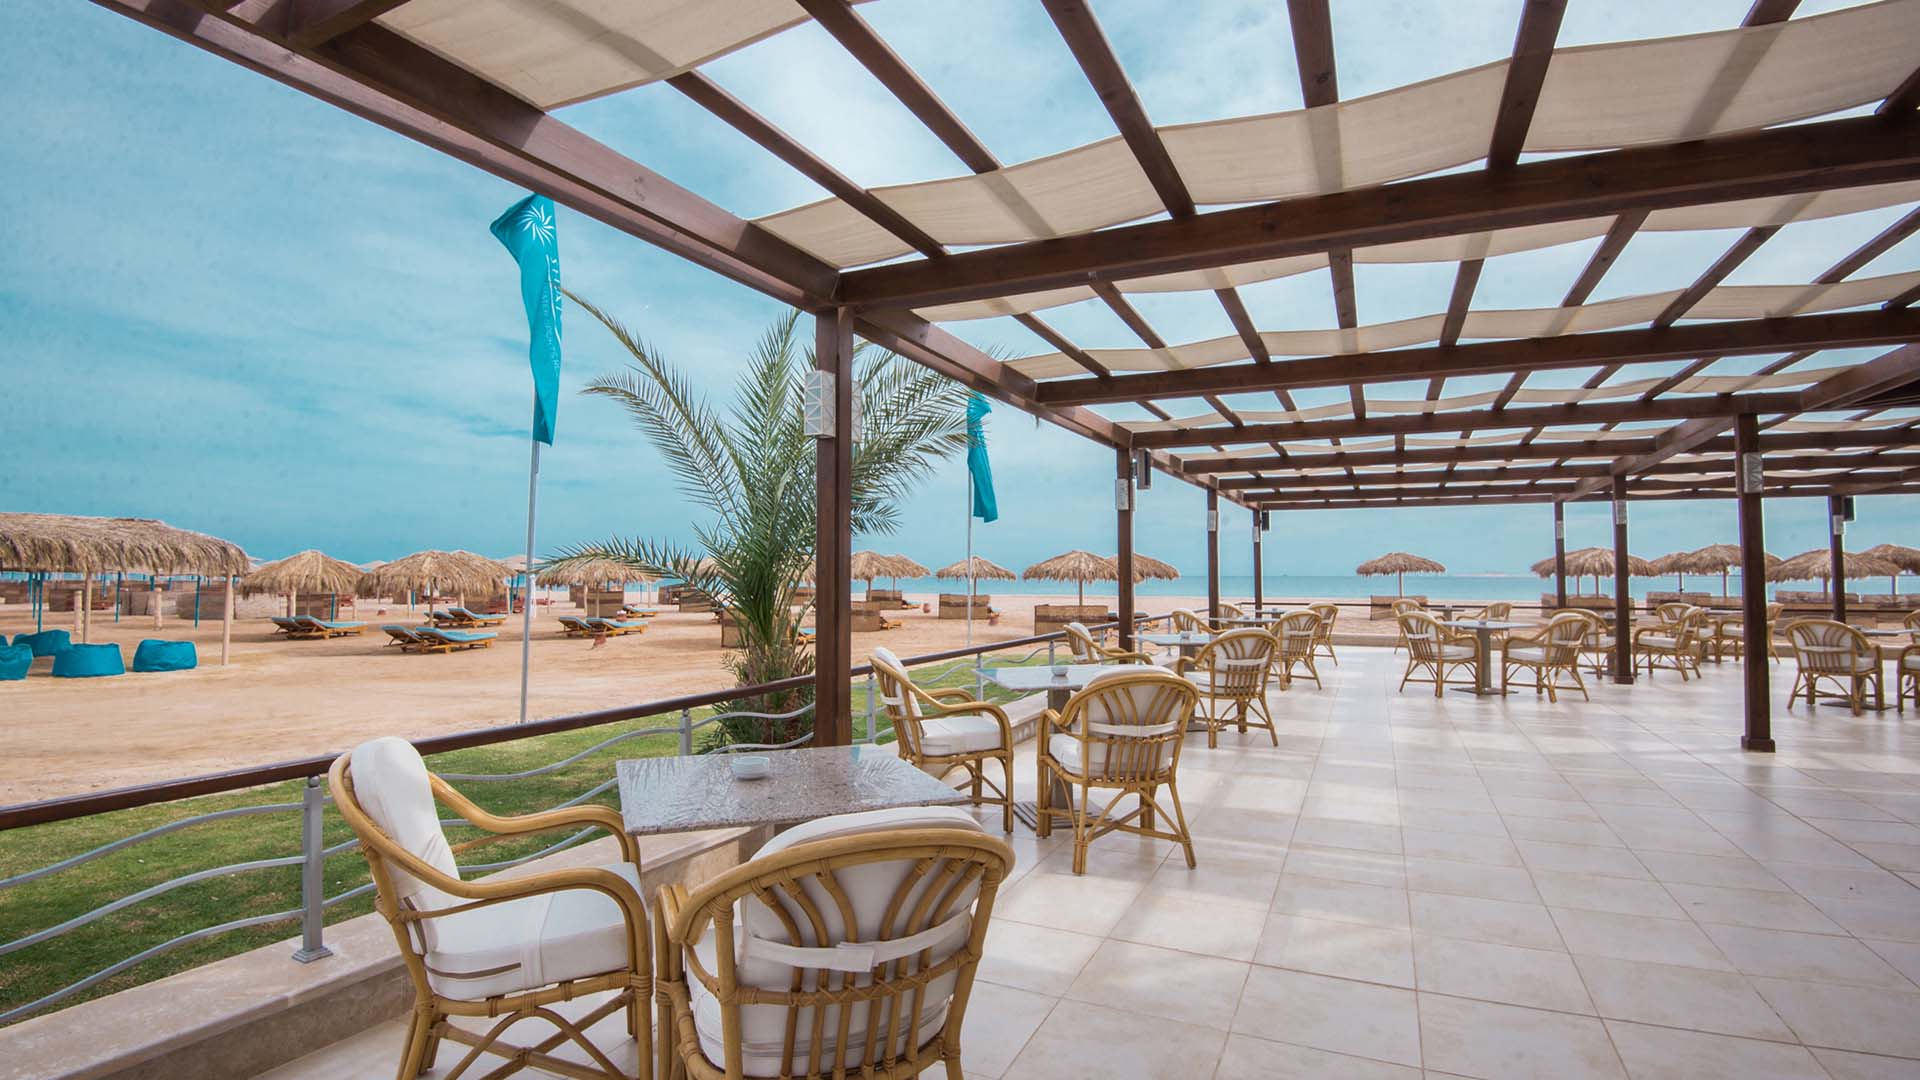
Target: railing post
x=313, y=881
x=686, y=732
x=1049, y=652
x=867, y=736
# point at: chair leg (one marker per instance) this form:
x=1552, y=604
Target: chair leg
x=1006, y=766
x=413, y=1061
x=1180, y=823
x=1043, y=800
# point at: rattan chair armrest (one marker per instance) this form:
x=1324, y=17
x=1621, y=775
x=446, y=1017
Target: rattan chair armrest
x=945, y=692
x=1184, y=664
x=1051, y=718
x=1126, y=654
x=545, y=821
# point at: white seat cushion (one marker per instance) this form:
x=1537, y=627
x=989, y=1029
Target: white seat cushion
x=530, y=942
x=1910, y=662
x=959, y=734
x=1530, y=653
x=1457, y=651
x=1065, y=749
x=1657, y=641
x=1603, y=641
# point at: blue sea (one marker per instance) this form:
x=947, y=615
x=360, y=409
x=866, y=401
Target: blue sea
x=1514, y=587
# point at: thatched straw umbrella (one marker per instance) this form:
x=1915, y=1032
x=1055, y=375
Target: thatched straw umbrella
x=65, y=544
x=1721, y=559
x=867, y=565
x=1078, y=567
x=977, y=568
x=1399, y=564
x=1594, y=562
x=592, y=574
x=1678, y=564
x=1818, y=565
x=457, y=572
x=1146, y=567
x=1906, y=558
x=308, y=572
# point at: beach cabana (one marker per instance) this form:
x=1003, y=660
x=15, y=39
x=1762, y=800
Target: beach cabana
x=1906, y=558
x=977, y=568
x=1076, y=566
x=1399, y=564
x=307, y=572
x=1596, y=563
x=593, y=575
x=458, y=573
x=1147, y=568
x=1817, y=565
x=64, y=544
x=1720, y=559
x=868, y=565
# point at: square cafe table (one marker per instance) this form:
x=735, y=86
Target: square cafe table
x=1188, y=642
x=683, y=794
x=1483, y=630
x=1035, y=678
x=1879, y=702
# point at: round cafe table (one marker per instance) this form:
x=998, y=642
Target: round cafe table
x=1483, y=630
x=1188, y=642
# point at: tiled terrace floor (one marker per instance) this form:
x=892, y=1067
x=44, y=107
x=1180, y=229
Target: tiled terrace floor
x=1483, y=888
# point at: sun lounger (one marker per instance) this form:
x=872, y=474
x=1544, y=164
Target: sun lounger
x=474, y=618
x=286, y=625
x=309, y=627
x=615, y=627
x=440, y=639
x=639, y=612
x=406, y=637
x=575, y=626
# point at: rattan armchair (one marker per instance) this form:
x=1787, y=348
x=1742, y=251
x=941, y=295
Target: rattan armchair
x=1825, y=649
x=1498, y=611
x=1906, y=676
x=1436, y=649
x=1230, y=673
x=1677, y=642
x=1185, y=621
x=503, y=950
x=1401, y=607
x=846, y=947
x=1295, y=635
x=1552, y=649
x=1730, y=635
x=1086, y=650
x=944, y=730
x=1323, y=634
x=1119, y=737
x=1231, y=611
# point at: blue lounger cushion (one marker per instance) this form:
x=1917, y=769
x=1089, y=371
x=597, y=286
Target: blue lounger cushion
x=88, y=661
x=154, y=654
x=46, y=642
x=14, y=662
x=461, y=636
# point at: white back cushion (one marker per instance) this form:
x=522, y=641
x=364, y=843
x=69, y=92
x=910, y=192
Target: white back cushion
x=390, y=783
x=883, y=655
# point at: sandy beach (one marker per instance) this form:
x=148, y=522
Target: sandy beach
x=282, y=699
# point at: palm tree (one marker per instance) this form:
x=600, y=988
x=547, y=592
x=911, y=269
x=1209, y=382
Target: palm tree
x=751, y=467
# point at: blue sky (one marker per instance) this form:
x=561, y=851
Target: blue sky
x=232, y=307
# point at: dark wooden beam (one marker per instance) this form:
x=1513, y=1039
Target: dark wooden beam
x=1785, y=160
x=1622, y=598
x=1684, y=341
x=833, y=538
x=315, y=22
x=1089, y=46
x=1827, y=468
x=1560, y=555
x=1756, y=653
x=1671, y=408
x=1213, y=555
x=1123, y=543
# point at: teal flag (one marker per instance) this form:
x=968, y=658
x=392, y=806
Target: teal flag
x=985, y=507
x=529, y=232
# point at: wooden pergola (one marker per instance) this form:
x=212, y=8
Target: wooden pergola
x=1772, y=122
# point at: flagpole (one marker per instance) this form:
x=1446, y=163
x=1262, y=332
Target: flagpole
x=526, y=608
x=970, y=585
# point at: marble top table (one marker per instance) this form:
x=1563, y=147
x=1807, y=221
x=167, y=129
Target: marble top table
x=1188, y=642
x=1483, y=629
x=682, y=794
x=1036, y=677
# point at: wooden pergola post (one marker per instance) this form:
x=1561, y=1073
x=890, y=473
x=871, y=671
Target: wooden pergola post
x=833, y=537
x=1560, y=554
x=1622, y=600
x=1213, y=554
x=1755, y=632
x=226, y=621
x=1836, y=539
x=1123, y=534
x=1256, y=562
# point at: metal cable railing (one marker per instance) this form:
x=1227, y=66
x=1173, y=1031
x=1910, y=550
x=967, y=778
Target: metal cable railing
x=314, y=903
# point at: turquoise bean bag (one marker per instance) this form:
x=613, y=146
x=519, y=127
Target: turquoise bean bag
x=14, y=662
x=88, y=661
x=46, y=642
x=157, y=655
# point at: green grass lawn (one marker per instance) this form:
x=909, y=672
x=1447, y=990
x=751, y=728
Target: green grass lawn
x=37, y=970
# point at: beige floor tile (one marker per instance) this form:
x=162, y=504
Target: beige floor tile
x=1733, y=873
x=1483, y=1039
x=1088, y=905
x=1847, y=1065
x=1337, y=864
x=1871, y=918
x=1561, y=831
x=1339, y=1015
x=1751, y=907
x=1341, y=949
x=1249, y=1058
x=1658, y=1053
x=1876, y=885
x=1219, y=876
x=1629, y=937
x=1580, y=859
x=1160, y=982
x=1460, y=847
x=1478, y=969
x=1035, y=958
x=1354, y=835
x=1499, y=921
x=1593, y=892
x=1903, y=955
x=1341, y=901
x=1079, y=1039
x=1814, y=957
x=1000, y=1020
x=1847, y=1017
x=1471, y=879
x=1718, y=1001
x=1194, y=923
